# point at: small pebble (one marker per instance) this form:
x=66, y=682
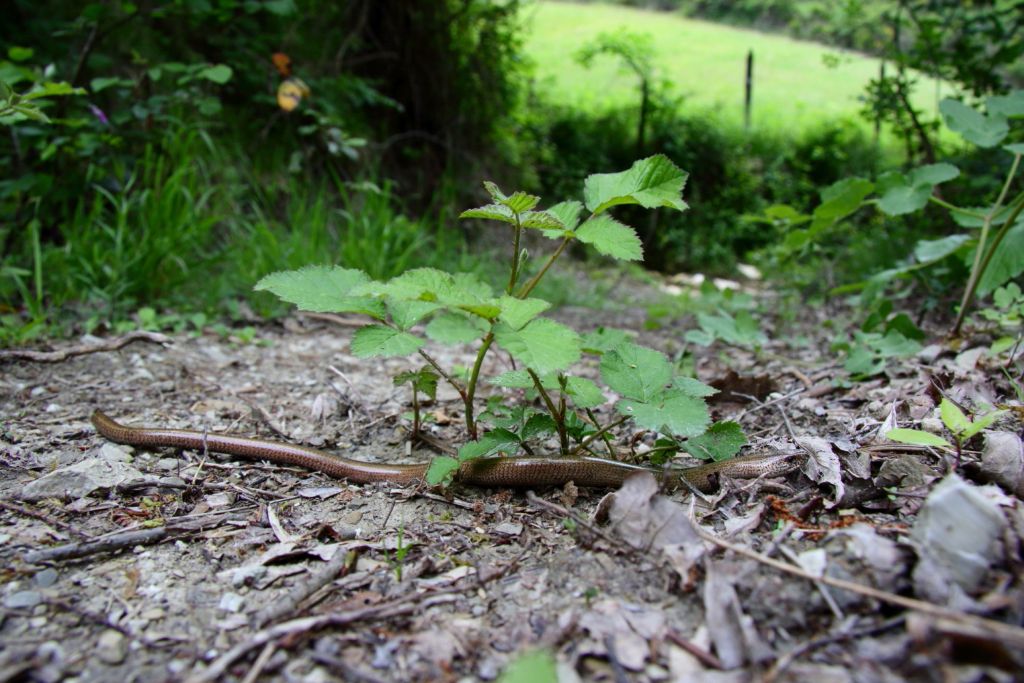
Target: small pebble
x=168, y=464
x=114, y=453
x=112, y=647
x=231, y=602
x=23, y=599
x=46, y=577
x=509, y=529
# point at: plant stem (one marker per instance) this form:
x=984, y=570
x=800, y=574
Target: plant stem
x=604, y=436
x=601, y=432
x=448, y=378
x=977, y=270
x=514, y=275
x=528, y=287
x=415, y=412
x=474, y=377
x=558, y=417
x=952, y=207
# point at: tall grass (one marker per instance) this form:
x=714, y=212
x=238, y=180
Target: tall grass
x=192, y=225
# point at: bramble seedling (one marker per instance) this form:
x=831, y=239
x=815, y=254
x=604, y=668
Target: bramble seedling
x=961, y=427
x=459, y=309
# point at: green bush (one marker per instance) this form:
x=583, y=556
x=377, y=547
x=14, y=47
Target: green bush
x=735, y=173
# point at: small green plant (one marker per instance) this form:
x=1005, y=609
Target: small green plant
x=459, y=309
x=401, y=552
x=1006, y=314
x=995, y=251
x=882, y=335
x=538, y=666
x=960, y=427
x=422, y=381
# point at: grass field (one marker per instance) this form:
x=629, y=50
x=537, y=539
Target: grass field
x=793, y=87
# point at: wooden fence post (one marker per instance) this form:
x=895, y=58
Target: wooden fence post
x=748, y=88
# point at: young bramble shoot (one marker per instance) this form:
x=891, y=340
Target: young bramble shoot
x=959, y=425
x=446, y=308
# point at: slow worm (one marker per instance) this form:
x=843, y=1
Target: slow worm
x=510, y=472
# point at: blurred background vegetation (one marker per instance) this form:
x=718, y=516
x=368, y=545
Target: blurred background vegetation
x=149, y=159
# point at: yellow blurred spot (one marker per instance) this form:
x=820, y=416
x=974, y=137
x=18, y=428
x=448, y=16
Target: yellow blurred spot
x=290, y=93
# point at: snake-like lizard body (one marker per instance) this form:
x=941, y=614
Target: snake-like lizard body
x=511, y=472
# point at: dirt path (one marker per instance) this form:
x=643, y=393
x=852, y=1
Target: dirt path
x=245, y=571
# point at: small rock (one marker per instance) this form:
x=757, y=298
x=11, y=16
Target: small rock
x=168, y=464
x=231, y=602
x=79, y=480
x=46, y=577
x=112, y=647
x=153, y=614
x=219, y=500
x=930, y=353
x=115, y=453
x=957, y=535
x=969, y=358
x=509, y=529
x=23, y=599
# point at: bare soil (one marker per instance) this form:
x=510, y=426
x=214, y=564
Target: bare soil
x=260, y=572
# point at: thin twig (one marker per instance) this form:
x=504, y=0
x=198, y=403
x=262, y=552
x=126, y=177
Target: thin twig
x=404, y=605
x=786, y=660
x=1011, y=635
x=83, y=349
x=70, y=551
x=564, y=512
x=42, y=516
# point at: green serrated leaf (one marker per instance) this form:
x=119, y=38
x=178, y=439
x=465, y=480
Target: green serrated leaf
x=513, y=379
x=611, y=238
x=516, y=312
x=1017, y=148
x=323, y=289
x=604, y=339
x=538, y=425
x=491, y=212
x=636, y=372
x=916, y=437
x=455, y=328
x=520, y=202
x=652, y=182
x=423, y=380
x=541, y=220
x=441, y=471
x=673, y=412
x=496, y=194
x=494, y=441
x=543, y=345
x=568, y=214
x=584, y=392
x=972, y=125
x=693, y=387
x=405, y=313
x=722, y=440
x=377, y=340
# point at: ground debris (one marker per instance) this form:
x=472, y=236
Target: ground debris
x=229, y=570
